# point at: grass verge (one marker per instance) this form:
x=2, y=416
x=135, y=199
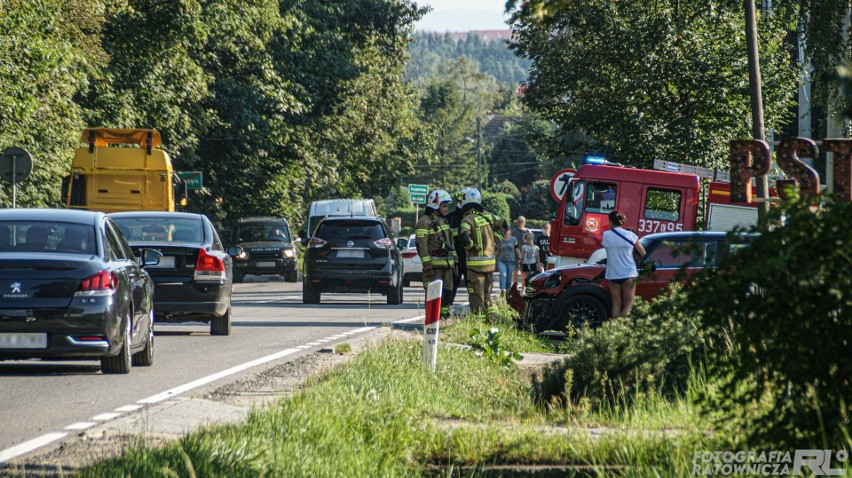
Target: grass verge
x=384, y=414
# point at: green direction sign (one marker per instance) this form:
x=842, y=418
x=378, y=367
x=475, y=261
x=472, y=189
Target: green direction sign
x=418, y=189
x=193, y=179
x=418, y=198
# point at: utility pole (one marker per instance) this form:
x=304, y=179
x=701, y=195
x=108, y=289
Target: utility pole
x=479, y=154
x=757, y=127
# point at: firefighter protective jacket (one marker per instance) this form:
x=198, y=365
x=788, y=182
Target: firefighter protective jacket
x=481, y=247
x=434, y=242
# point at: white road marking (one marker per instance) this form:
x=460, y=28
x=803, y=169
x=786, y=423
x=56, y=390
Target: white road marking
x=303, y=347
x=313, y=343
x=105, y=416
x=80, y=425
x=29, y=446
x=128, y=408
x=322, y=341
x=216, y=376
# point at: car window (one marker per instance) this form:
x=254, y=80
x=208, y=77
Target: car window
x=662, y=205
x=161, y=229
x=350, y=230
x=33, y=236
x=676, y=254
x=263, y=232
x=600, y=197
x=117, y=245
x=217, y=243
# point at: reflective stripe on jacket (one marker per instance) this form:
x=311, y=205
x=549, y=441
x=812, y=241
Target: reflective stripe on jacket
x=434, y=242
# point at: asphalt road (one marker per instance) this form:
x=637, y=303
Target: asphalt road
x=41, y=399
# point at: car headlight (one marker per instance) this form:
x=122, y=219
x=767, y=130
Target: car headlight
x=289, y=253
x=243, y=256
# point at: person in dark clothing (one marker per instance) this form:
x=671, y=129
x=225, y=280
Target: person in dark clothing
x=543, y=243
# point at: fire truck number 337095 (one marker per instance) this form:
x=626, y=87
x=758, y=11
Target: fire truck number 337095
x=651, y=226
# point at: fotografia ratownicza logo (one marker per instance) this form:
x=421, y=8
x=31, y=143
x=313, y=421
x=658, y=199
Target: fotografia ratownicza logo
x=770, y=463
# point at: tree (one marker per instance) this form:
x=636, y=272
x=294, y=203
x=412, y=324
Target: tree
x=652, y=80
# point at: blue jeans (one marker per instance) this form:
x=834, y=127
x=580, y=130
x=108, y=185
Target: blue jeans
x=506, y=270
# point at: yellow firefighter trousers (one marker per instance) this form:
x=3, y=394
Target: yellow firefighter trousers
x=479, y=288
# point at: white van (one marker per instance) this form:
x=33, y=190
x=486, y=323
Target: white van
x=339, y=208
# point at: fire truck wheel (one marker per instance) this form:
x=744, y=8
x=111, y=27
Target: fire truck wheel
x=582, y=310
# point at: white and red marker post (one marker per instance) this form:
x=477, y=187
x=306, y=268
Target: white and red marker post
x=431, y=323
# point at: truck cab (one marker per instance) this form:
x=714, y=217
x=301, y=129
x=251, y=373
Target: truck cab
x=652, y=201
x=120, y=170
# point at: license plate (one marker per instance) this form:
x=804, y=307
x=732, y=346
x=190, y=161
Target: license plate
x=266, y=264
x=350, y=253
x=23, y=341
x=166, y=262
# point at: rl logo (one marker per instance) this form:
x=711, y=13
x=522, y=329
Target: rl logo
x=751, y=158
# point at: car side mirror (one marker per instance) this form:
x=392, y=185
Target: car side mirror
x=150, y=257
x=235, y=251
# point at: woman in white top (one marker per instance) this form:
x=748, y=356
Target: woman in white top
x=620, y=267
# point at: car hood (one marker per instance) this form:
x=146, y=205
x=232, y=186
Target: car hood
x=278, y=245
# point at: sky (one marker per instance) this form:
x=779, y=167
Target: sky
x=463, y=15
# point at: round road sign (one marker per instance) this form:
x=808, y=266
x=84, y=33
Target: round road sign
x=16, y=159
x=559, y=183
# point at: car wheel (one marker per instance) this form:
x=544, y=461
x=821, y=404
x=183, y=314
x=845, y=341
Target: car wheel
x=310, y=294
x=582, y=310
x=239, y=278
x=119, y=363
x=221, y=325
x=395, y=295
x=292, y=276
x=145, y=358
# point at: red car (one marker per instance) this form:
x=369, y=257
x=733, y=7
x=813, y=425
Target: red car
x=579, y=294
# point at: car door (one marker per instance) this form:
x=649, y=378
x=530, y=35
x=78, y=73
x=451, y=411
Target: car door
x=119, y=251
x=673, y=261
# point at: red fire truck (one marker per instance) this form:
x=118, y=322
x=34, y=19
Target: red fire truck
x=659, y=200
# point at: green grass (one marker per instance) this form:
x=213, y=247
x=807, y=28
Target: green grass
x=384, y=414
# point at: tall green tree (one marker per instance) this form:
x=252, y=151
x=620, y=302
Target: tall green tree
x=48, y=51
x=649, y=80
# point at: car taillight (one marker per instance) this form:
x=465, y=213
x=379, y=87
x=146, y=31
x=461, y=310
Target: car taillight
x=316, y=243
x=386, y=243
x=209, y=267
x=104, y=282
x=409, y=255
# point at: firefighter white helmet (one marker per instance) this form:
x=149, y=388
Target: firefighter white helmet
x=436, y=197
x=470, y=196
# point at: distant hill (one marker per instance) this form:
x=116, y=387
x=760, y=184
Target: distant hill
x=431, y=52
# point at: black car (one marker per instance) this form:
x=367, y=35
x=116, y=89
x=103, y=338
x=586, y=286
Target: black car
x=193, y=279
x=353, y=254
x=70, y=288
x=268, y=248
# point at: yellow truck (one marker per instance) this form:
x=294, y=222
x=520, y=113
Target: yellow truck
x=120, y=170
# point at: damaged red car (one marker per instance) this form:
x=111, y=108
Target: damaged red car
x=579, y=294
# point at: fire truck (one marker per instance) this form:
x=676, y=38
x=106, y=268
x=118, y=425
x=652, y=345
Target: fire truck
x=664, y=199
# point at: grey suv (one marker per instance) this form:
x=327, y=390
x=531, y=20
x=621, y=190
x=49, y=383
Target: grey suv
x=353, y=254
x=268, y=248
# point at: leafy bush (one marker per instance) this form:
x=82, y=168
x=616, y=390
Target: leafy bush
x=780, y=318
x=490, y=345
x=496, y=203
x=508, y=188
x=650, y=349
x=537, y=203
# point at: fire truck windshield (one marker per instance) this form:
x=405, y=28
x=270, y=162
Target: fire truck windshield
x=574, y=203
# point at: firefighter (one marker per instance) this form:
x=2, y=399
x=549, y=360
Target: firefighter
x=476, y=232
x=454, y=218
x=435, y=246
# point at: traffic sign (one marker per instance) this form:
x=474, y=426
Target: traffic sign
x=417, y=198
x=16, y=165
x=418, y=189
x=559, y=183
x=192, y=179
